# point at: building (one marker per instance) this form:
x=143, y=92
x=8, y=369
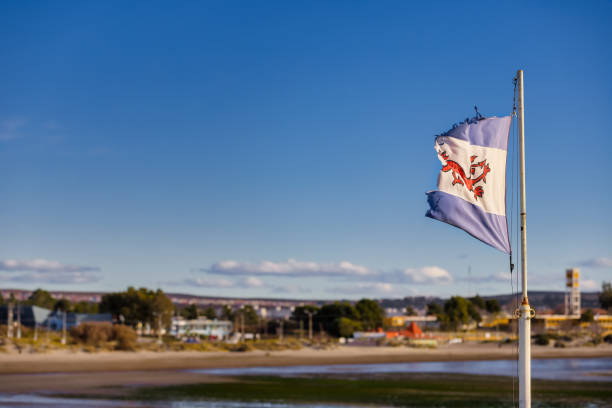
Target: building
x=275, y=313
x=217, y=329
x=424, y=322
x=29, y=316
x=572, y=292
x=55, y=321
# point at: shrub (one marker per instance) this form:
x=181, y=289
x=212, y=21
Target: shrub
x=92, y=334
x=101, y=334
x=275, y=345
x=243, y=346
x=596, y=340
x=125, y=337
x=542, y=339
x=346, y=326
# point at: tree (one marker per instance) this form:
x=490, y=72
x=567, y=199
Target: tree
x=63, y=305
x=478, y=302
x=473, y=312
x=410, y=311
x=300, y=313
x=250, y=316
x=492, y=306
x=1, y=299
x=85, y=307
x=162, y=307
x=139, y=305
x=370, y=314
x=587, y=316
x=434, y=309
x=41, y=298
x=330, y=314
x=457, y=312
x=210, y=313
x=190, y=312
x=605, y=297
x=346, y=327
x=227, y=313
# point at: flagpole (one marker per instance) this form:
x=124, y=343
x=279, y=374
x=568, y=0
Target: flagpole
x=525, y=311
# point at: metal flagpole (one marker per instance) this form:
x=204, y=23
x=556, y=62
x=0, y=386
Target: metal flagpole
x=525, y=313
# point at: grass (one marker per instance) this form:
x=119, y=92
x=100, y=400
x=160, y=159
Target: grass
x=404, y=390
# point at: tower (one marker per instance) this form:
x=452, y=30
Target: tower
x=572, y=292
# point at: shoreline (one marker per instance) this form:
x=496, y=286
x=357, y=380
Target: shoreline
x=119, y=374
x=72, y=362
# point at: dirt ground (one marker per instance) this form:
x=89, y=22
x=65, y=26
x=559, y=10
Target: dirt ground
x=81, y=372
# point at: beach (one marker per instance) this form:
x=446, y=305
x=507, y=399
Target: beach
x=99, y=372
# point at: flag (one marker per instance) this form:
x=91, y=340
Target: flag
x=471, y=191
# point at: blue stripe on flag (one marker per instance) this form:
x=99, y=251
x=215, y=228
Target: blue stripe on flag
x=489, y=132
x=490, y=228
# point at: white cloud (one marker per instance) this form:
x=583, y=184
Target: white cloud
x=427, y=274
x=590, y=285
x=204, y=282
x=251, y=282
x=368, y=289
x=46, y=271
x=62, y=277
x=289, y=268
x=212, y=282
x=42, y=265
x=597, y=263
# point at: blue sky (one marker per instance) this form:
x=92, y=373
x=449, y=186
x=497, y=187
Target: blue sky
x=283, y=149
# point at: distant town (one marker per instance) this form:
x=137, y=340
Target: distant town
x=544, y=301
x=184, y=316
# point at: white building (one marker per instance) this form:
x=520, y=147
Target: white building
x=217, y=329
x=275, y=313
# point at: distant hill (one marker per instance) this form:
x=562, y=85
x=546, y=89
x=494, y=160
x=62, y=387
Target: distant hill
x=539, y=300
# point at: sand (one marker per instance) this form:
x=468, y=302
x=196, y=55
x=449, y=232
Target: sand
x=79, y=372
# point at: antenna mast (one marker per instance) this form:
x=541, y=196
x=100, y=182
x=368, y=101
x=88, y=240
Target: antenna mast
x=525, y=312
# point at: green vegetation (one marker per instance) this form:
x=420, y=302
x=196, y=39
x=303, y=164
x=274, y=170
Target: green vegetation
x=587, y=316
x=434, y=309
x=227, y=313
x=85, y=307
x=458, y=311
x=370, y=314
x=605, y=297
x=342, y=319
x=346, y=327
x=139, y=305
x=190, y=312
x=41, y=298
x=249, y=315
x=492, y=306
x=411, y=390
x=478, y=302
x=542, y=339
x=210, y=313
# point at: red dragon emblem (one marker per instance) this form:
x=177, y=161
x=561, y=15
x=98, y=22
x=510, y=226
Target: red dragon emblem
x=459, y=176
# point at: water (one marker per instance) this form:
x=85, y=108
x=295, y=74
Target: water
x=571, y=369
x=37, y=401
